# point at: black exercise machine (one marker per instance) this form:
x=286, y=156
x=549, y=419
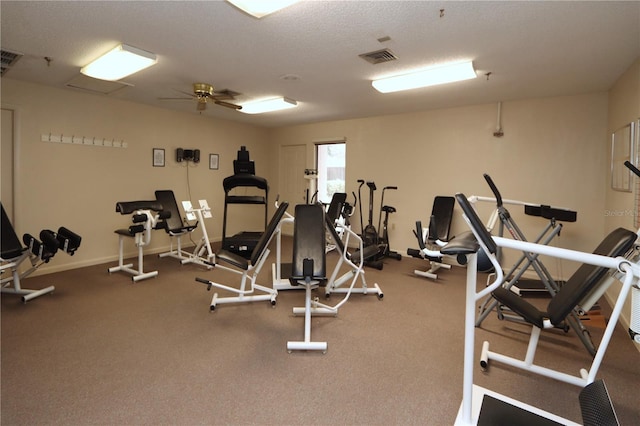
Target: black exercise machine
x=244, y=177
x=578, y=292
x=174, y=225
x=309, y=265
x=247, y=268
x=38, y=251
x=146, y=216
x=435, y=236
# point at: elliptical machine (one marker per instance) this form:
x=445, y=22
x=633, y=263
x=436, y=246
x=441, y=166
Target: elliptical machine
x=383, y=243
x=370, y=235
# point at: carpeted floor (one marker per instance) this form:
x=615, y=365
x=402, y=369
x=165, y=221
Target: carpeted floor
x=102, y=350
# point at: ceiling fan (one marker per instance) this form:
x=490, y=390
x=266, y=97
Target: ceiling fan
x=204, y=92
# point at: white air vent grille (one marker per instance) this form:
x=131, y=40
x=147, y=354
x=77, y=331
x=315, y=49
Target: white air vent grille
x=8, y=60
x=379, y=56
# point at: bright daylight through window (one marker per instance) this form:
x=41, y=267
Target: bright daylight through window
x=330, y=158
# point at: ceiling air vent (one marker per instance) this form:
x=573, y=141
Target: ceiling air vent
x=379, y=56
x=8, y=60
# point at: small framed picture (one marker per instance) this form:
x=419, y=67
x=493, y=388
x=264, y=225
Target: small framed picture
x=213, y=161
x=158, y=157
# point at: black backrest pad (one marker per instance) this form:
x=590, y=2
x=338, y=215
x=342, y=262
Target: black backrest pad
x=335, y=207
x=11, y=245
x=442, y=212
x=582, y=282
x=309, y=241
x=476, y=223
x=268, y=232
x=168, y=201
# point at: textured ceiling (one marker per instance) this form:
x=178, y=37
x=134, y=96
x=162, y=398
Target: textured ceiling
x=531, y=49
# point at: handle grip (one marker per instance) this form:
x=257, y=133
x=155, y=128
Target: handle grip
x=494, y=189
x=633, y=168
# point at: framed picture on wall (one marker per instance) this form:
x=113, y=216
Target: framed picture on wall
x=622, y=147
x=158, y=157
x=213, y=161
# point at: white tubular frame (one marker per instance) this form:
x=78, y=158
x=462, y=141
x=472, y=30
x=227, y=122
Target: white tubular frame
x=630, y=270
x=334, y=285
x=308, y=310
x=278, y=282
x=204, y=245
x=13, y=265
x=427, y=253
x=141, y=239
x=244, y=294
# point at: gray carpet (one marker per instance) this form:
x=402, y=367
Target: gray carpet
x=106, y=351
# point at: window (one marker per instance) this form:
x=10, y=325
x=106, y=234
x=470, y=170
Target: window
x=330, y=163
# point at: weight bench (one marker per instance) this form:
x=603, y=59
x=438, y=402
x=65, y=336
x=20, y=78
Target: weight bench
x=38, y=251
x=247, y=268
x=144, y=221
x=583, y=287
x=435, y=236
x=309, y=269
x=173, y=225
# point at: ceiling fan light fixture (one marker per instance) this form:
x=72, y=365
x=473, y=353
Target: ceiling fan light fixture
x=260, y=8
x=119, y=62
x=440, y=74
x=268, y=105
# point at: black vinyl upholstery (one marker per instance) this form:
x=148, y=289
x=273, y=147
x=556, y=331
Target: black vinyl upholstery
x=441, y=214
x=11, y=245
x=173, y=223
x=241, y=262
x=309, y=239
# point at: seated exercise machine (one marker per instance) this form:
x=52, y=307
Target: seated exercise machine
x=354, y=261
x=513, y=278
x=309, y=267
x=247, y=268
x=145, y=216
x=579, y=291
x=176, y=228
x=435, y=236
x=37, y=251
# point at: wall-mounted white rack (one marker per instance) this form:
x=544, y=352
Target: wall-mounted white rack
x=84, y=140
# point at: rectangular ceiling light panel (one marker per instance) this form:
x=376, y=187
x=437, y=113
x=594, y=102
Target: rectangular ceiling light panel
x=260, y=8
x=268, y=105
x=432, y=76
x=119, y=62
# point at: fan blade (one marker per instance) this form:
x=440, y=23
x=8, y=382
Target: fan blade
x=175, y=99
x=228, y=105
x=221, y=97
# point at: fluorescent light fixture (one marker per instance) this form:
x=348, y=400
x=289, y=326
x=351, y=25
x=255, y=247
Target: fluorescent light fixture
x=260, y=8
x=119, y=62
x=268, y=105
x=432, y=76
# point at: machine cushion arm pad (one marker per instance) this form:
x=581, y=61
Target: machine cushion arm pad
x=464, y=244
x=520, y=306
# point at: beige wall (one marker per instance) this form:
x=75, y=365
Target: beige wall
x=78, y=186
x=624, y=107
x=554, y=151
x=551, y=153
